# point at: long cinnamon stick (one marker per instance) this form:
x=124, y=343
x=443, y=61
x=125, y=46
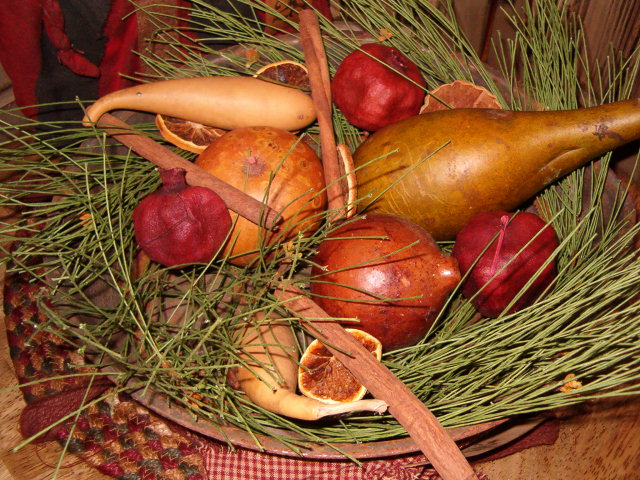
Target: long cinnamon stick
x=316, y=61
x=310, y=28
x=236, y=200
x=413, y=415
x=421, y=425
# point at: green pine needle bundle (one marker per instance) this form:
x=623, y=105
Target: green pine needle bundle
x=580, y=341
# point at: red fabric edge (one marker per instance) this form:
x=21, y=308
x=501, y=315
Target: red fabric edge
x=20, y=31
x=121, y=30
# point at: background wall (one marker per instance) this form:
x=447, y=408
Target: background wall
x=609, y=25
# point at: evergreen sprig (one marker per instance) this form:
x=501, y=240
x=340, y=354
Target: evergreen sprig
x=468, y=369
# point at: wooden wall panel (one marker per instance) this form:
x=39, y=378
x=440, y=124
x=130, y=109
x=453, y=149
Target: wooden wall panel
x=609, y=26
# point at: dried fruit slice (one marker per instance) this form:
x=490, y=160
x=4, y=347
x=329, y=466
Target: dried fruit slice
x=349, y=179
x=325, y=378
x=190, y=136
x=459, y=94
x=287, y=72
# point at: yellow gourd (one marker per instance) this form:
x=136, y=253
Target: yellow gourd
x=270, y=374
x=223, y=102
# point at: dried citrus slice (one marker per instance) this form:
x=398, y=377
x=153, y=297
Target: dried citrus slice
x=459, y=94
x=287, y=72
x=325, y=378
x=350, y=182
x=190, y=136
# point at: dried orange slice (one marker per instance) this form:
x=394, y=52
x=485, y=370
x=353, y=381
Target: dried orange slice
x=350, y=181
x=287, y=72
x=190, y=136
x=325, y=378
x=459, y=94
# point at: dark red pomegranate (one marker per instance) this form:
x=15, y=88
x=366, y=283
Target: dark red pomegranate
x=388, y=273
x=371, y=94
x=521, y=243
x=179, y=224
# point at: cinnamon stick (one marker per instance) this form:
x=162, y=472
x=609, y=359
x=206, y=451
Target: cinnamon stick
x=310, y=29
x=235, y=199
x=316, y=61
x=421, y=425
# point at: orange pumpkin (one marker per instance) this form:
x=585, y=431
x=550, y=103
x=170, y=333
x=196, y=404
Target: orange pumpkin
x=274, y=166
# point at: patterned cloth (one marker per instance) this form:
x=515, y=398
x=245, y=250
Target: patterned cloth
x=116, y=435
x=222, y=463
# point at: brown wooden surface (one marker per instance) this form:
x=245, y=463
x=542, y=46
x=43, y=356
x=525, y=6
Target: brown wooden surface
x=598, y=441
x=609, y=25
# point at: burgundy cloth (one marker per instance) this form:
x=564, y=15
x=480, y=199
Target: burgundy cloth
x=53, y=20
x=21, y=26
x=223, y=463
x=243, y=464
x=121, y=31
x=544, y=434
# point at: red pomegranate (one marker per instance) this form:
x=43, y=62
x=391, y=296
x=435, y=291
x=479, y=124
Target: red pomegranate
x=373, y=92
x=388, y=273
x=504, y=251
x=179, y=224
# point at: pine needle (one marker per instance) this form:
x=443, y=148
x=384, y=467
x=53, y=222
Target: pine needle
x=468, y=370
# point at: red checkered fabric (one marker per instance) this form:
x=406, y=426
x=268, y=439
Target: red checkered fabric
x=223, y=463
